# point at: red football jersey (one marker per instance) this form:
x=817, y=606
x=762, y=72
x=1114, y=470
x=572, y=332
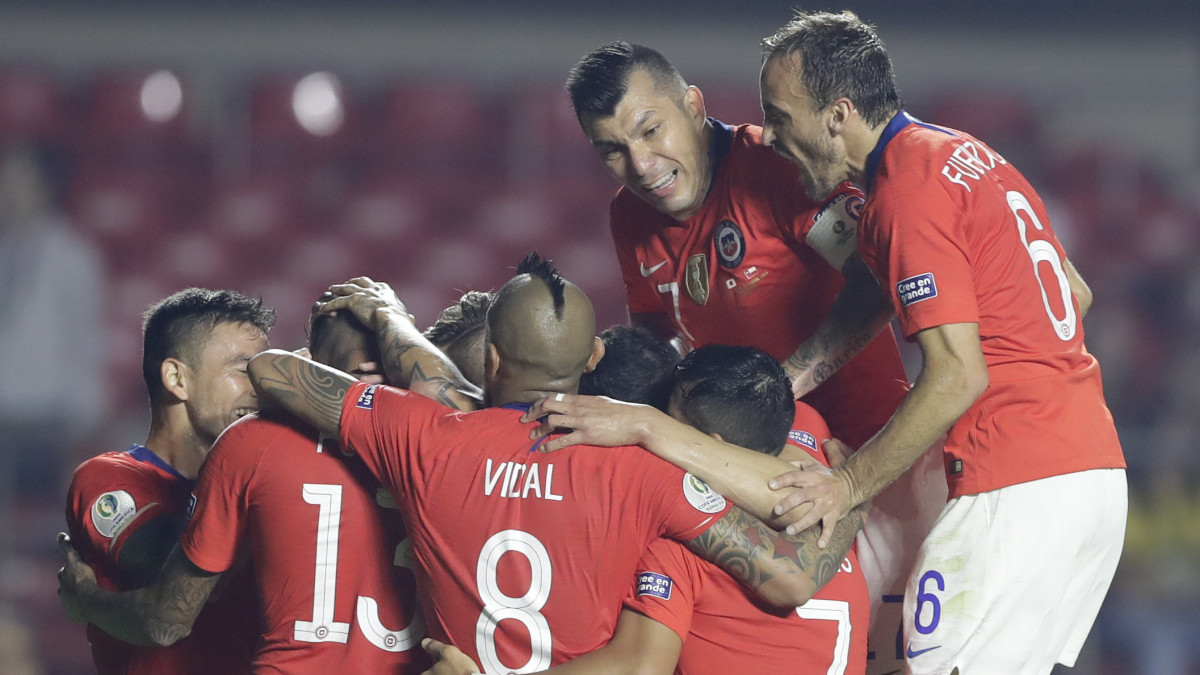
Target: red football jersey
x=327, y=545
x=744, y=271
x=110, y=497
x=523, y=558
x=959, y=236
x=725, y=629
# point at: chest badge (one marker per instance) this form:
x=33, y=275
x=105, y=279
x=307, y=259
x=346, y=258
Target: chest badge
x=695, y=277
x=730, y=243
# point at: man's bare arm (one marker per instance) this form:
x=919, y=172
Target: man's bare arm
x=157, y=615
x=953, y=377
x=409, y=359
x=735, y=472
x=785, y=570
x=307, y=389
x=860, y=311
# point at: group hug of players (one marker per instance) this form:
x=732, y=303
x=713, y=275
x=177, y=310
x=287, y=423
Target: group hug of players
x=453, y=500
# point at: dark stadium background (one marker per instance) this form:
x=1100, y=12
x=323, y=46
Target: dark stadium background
x=455, y=153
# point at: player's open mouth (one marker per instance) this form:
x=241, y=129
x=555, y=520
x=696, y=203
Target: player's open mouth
x=663, y=183
x=242, y=412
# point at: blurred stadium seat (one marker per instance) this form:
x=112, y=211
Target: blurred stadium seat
x=31, y=105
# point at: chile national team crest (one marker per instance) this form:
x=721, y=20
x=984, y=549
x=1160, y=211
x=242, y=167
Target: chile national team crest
x=695, y=277
x=731, y=244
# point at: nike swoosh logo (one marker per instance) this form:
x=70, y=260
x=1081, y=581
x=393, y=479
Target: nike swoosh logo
x=652, y=270
x=913, y=654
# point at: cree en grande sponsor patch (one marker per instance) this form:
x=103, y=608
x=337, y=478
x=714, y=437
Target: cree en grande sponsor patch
x=803, y=438
x=366, y=400
x=700, y=496
x=915, y=289
x=111, y=511
x=655, y=584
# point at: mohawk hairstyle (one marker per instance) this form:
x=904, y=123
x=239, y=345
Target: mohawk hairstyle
x=535, y=265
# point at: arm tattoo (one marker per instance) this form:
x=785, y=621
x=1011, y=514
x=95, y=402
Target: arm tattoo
x=413, y=362
x=755, y=554
x=170, y=614
x=156, y=615
x=306, y=389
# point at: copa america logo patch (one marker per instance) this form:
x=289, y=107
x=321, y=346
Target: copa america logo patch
x=366, y=400
x=915, y=289
x=803, y=438
x=700, y=496
x=112, y=511
x=654, y=584
x=731, y=245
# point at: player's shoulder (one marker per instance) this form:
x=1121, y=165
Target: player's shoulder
x=110, y=467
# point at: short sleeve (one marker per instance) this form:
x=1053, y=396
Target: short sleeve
x=686, y=505
x=912, y=242
x=667, y=583
x=107, y=501
x=383, y=426
x=809, y=431
x=218, y=511
x=640, y=296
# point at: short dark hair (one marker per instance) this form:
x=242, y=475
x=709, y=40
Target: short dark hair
x=841, y=56
x=599, y=81
x=637, y=367
x=176, y=326
x=463, y=318
x=322, y=325
x=740, y=393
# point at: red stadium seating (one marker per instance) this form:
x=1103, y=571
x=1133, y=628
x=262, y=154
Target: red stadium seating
x=437, y=127
x=31, y=105
x=277, y=137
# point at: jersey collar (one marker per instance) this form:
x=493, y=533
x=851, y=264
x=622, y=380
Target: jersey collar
x=722, y=144
x=901, y=120
x=143, y=454
x=524, y=408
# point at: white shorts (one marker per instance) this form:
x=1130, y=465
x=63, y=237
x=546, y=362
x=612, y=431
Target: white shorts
x=1009, y=581
x=900, y=518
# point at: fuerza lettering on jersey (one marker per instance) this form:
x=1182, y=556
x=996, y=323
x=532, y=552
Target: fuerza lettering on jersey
x=971, y=160
x=519, y=481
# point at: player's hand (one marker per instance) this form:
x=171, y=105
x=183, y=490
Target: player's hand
x=373, y=303
x=447, y=659
x=588, y=420
x=74, y=580
x=826, y=492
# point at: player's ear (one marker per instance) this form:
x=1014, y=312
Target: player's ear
x=175, y=377
x=840, y=112
x=491, y=362
x=597, y=354
x=693, y=103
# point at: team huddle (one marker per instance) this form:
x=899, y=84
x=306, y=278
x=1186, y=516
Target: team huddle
x=741, y=480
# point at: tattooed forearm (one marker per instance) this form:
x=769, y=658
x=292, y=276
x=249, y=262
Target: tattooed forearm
x=412, y=361
x=860, y=311
x=307, y=389
x=783, y=569
x=156, y=615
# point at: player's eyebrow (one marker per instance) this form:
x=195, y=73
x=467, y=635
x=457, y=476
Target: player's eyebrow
x=770, y=110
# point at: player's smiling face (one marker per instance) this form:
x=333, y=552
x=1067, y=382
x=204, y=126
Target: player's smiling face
x=795, y=130
x=219, y=390
x=656, y=144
